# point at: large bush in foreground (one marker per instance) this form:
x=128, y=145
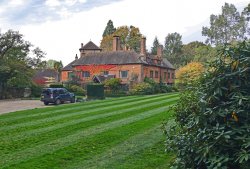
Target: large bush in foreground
x=212, y=123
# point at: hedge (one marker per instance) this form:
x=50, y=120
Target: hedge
x=95, y=91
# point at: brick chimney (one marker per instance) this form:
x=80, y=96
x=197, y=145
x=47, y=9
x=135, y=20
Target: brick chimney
x=160, y=51
x=82, y=53
x=116, y=43
x=143, y=46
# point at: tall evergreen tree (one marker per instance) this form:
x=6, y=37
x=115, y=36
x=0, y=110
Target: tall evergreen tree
x=172, y=48
x=109, y=29
x=155, y=45
x=226, y=27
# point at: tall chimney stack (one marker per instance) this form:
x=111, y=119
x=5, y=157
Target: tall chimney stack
x=116, y=43
x=143, y=45
x=160, y=51
x=81, y=50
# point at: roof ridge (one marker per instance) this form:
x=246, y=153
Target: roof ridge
x=90, y=46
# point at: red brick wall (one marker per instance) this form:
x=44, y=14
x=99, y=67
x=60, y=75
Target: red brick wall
x=147, y=69
x=136, y=72
x=64, y=76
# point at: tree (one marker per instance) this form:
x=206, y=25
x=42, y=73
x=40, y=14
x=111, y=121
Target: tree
x=205, y=54
x=36, y=62
x=123, y=33
x=58, y=68
x=189, y=73
x=188, y=51
x=246, y=15
x=129, y=37
x=211, y=125
x=15, y=64
x=172, y=48
x=110, y=29
x=155, y=45
x=50, y=64
x=107, y=43
x=134, y=38
x=227, y=27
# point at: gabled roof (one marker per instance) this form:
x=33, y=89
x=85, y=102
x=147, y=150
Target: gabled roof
x=69, y=66
x=90, y=46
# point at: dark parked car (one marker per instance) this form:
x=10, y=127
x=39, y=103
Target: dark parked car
x=56, y=96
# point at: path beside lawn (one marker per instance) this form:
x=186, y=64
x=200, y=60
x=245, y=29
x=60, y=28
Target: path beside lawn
x=7, y=106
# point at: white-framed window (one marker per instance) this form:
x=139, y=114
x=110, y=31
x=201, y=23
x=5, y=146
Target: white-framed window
x=124, y=74
x=151, y=75
x=165, y=76
x=105, y=72
x=156, y=74
x=85, y=74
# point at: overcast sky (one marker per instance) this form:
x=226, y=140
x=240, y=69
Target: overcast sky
x=58, y=27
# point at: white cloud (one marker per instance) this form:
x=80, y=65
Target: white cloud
x=61, y=39
x=82, y=1
x=64, y=13
x=70, y=2
x=16, y=2
x=52, y=3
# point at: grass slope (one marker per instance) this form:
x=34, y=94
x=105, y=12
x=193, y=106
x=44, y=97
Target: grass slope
x=114, y=133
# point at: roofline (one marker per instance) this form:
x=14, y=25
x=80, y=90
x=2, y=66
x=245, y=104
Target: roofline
x=126, y=64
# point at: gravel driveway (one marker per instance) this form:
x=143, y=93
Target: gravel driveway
x=16, y=105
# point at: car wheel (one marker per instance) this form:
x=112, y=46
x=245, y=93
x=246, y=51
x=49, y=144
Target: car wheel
x=58, y=101
x=46, y=103
x=73, y=100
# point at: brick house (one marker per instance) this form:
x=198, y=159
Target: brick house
x=129, y=66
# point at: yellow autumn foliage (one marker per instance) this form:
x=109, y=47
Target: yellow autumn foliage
x=189, y=73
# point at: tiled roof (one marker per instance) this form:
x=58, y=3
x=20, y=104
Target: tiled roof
x=90, y=46
x=41, y=73
x=120, y=58
x=69, y=66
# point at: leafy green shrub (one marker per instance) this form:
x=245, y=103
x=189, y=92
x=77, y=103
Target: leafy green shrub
x=95, y=91
x=77, y=90
x=56, y=85
x=113, y=84
x=212, y=124
x=142, y=88
x=36, y=90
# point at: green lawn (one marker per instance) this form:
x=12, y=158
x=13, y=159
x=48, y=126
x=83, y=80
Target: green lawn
x=113, y=133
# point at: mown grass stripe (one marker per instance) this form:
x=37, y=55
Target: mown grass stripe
x=51, y=135
x=63, y=108
x=91, y=146
x=151, y=157
x=36, y=132
x=59, y=143
x=50, y=119
x=119, y=152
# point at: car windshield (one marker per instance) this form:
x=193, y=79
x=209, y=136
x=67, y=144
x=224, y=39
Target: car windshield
x=46, y=91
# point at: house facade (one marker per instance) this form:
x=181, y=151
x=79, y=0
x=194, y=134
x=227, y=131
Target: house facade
x=129, y=66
